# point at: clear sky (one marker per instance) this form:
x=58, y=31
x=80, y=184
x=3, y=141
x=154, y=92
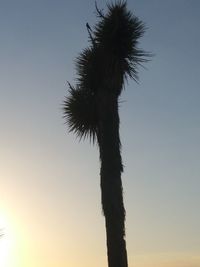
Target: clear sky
x=50, y=207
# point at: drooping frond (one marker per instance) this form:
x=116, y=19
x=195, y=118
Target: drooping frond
x=80, y=113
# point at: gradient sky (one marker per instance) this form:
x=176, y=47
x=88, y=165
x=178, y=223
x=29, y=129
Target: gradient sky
x=50, y=207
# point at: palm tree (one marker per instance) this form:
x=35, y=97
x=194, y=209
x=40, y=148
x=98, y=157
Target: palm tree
x=91, y=109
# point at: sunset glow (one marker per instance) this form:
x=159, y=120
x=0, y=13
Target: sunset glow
x=50, y=201
x=6, y=242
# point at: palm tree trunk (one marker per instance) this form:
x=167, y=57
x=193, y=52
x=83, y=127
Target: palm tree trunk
x=111, y=185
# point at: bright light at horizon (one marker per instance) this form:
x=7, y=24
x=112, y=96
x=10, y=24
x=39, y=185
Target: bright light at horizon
x=6, y=241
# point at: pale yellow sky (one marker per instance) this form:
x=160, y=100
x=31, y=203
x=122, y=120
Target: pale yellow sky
x=35, y=245
x=166, y=260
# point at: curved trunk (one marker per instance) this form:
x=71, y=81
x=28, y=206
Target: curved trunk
x=111, y=185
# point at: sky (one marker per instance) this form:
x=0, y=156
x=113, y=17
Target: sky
x=50, y=211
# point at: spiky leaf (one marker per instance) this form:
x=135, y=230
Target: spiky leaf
x=118, y=33
x=80, y=113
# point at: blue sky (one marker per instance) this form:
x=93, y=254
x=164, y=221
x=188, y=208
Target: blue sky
x=50, y=181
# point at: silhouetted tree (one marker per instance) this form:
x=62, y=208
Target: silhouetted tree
x=91, y=109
